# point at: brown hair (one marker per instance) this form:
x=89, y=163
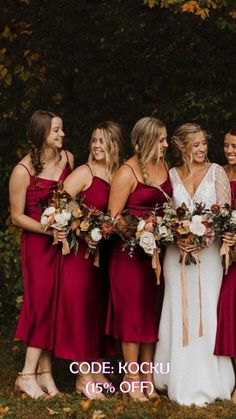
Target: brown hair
x=38, y=130
x=113, y=144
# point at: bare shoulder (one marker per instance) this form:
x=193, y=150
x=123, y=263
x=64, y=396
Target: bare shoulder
x=23, y=168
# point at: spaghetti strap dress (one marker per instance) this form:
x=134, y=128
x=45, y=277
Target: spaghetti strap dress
x=226, y=315
x=40, y=266
x=132, y=315
x=82, y=302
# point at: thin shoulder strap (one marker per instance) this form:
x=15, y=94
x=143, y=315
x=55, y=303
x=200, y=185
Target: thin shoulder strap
x=86, y=164
x=166, y=168
x=66, y=156
x=25, y=168
x=125, y=164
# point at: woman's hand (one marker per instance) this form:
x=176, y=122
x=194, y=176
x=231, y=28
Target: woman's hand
x=61, y=234
x=229, y=239
x=91, y=243
x=185, y=246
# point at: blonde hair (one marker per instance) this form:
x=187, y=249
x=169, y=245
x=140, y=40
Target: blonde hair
x=181, y=140
x=145, y=140
x=113, y=143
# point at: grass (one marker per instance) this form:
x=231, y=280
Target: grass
x=74, y=406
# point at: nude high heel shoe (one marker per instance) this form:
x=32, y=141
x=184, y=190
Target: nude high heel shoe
x=23, y=388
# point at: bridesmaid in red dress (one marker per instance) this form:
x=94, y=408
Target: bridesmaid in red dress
x=82, y=305
x=226, y=328
x=140, y=184
x=33, y=180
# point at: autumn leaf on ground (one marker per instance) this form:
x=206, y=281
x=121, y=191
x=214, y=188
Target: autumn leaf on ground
x=118, y=409
x=84, y=405
x=4, y=411
x=98, y=414
x=67, y=409
x=52, y=412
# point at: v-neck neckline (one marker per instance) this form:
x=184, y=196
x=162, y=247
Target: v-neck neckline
x=204, y=177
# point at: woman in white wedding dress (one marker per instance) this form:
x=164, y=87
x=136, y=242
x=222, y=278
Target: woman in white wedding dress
x=196, y=376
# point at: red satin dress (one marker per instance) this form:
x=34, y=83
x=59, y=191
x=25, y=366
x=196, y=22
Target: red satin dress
x=40, y=266
x=226, y=314
x=83, y=296
x=135, y=301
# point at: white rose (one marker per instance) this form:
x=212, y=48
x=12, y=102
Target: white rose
x=197, y=228
x=141, y=225
x=96, y=234
x=49, y=211
x=163, y=231
x=44, y=220
x=66, y=215
x=197, y=219
x=233, y=217
x=147, y=242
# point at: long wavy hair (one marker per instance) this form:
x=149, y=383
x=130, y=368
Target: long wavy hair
x=38, y=129
x=182, y=142
x=113, y=144
x=145, y=138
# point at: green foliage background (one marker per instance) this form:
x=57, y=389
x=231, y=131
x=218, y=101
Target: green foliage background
x=95, y=60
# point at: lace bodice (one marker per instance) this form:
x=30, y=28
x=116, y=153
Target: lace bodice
x=213, y=189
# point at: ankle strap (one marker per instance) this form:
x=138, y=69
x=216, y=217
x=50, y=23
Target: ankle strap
x=43, y=372
x=26, y=373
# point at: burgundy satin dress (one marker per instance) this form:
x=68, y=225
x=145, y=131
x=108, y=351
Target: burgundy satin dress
x=133, y=310
x=83, y=296
x=40, y=265
x=226, y=314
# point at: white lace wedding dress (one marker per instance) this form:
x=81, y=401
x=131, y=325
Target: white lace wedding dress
x=196, y=375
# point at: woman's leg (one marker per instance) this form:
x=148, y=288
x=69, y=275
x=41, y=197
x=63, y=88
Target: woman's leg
x=27, y=382
x=44, y=374
x=146, y=357
x=131, y=354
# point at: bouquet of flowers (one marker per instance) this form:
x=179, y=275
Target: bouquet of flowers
x=194, y=228
x=149, y=232
x=94, y=226
x=64, y=212
x=224, y=221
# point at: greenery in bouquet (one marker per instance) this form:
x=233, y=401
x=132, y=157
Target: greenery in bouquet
x=193, y=228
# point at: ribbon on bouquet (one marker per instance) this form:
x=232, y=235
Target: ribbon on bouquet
x=65, y=245
x=96, y=258
x=156, y=265
x=224, y=251
x=184, y=297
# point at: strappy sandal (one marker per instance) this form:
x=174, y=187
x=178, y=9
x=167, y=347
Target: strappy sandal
x=44, y=388
x=19, y=389
x=136, y=394
x=81, y=388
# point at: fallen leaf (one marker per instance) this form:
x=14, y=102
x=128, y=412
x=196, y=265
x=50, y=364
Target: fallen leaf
x=4, y=411
x=84, y=405
x=67, y=410
x=118, y=409
x=98, y=414
x=52, y=412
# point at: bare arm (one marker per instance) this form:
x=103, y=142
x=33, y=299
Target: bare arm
x=79, y=180
x=122, y=185
x=19, y=182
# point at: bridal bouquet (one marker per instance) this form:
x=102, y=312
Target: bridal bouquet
x=64, y=212
x=195, y=228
